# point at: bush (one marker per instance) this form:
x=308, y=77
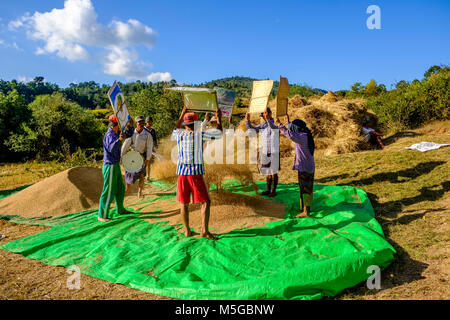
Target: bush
x=58, y=126
x=412, y=105
x=13, y=112
x=164, y=106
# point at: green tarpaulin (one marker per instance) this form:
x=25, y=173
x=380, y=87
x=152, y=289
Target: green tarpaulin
x=306, y=258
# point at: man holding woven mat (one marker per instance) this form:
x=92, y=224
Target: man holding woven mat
x=142, y=142
x=270, y=162
x=191, y=168
x=113, y=186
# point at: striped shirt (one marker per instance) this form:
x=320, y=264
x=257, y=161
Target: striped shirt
x=190, y=149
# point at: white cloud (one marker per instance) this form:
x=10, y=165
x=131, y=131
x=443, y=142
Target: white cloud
x=10, y=45
x=24, y=79
x=159, y=76
x=72, y=32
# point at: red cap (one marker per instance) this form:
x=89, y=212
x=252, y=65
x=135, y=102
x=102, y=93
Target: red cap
x=113, y=118
x=190, y=118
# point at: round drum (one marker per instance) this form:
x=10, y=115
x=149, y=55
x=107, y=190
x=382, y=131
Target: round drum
x=132, y=161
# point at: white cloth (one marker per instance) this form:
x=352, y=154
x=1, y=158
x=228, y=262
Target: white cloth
x=140, y=142
x=366, y=133
x=426, y=146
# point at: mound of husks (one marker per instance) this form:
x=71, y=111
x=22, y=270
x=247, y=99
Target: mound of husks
x=334, y=122
x=76, y=189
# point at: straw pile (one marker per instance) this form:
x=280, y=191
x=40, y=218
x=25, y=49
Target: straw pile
x=297, y=102
x=329, y=97
x=336, y=124
x=76, y=189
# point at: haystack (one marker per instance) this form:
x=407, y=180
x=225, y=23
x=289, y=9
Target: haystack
x=76, y=189
x=329, y=97
x=336, y=125
x=297, y=101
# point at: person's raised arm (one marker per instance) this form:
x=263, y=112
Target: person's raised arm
x=219, y=119
x=249, y=124
x=275, y=124
x=180, y=120
x=293, y=136
x=204, y=122
x=110, y=143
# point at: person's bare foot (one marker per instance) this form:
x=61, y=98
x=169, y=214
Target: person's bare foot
x=209, y=236
x=104, y=219
x=302, y=214
x=127, y=212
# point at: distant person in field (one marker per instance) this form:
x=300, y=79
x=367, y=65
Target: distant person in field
x=270, y=151
x=370, y=135
x=142, y=142
x=113, y=186
x=149, y=128
x=191, y=168
x=209, y=122
x=299, y=133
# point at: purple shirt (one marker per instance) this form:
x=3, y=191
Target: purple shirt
x=111, y=147
x=304, y=161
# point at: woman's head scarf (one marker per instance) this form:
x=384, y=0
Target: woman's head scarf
x=299, y=126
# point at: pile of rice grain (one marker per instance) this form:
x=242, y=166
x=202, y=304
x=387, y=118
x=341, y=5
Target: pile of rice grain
x=229, y=211
x=76, y=189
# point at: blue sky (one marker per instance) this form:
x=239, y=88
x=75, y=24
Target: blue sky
x=325, y=44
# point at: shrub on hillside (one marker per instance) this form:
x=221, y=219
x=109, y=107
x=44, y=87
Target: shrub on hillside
x=13, y=111
x=411, y=105
x=58, y=126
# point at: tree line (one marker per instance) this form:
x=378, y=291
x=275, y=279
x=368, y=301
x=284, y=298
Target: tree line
x=40, y=120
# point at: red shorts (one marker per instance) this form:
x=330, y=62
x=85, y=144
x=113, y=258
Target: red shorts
x=192, y=184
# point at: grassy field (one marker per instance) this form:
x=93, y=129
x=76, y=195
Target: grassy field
x=410, y=192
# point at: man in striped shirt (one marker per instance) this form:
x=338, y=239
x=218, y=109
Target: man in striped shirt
x=190, y=168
